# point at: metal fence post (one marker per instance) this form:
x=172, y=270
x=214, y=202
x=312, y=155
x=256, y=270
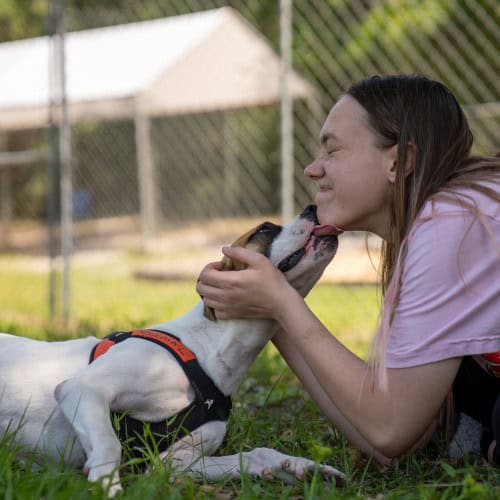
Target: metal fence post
x=65, y=159
x=148, y=200
x=286, y=110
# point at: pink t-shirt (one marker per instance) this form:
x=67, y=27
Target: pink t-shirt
x=450, y=289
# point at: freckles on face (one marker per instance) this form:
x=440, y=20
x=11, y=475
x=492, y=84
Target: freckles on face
x=350, y=171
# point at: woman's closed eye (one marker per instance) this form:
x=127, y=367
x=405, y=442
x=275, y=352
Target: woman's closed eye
x=331, y=147
x=332, y=151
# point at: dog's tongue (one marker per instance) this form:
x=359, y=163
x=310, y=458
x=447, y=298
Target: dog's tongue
x=326, y=230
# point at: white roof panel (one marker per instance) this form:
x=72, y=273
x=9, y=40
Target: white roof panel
x=203, y=61
x=113, y=62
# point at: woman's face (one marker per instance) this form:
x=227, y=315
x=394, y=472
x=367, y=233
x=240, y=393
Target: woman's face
x=354, y=177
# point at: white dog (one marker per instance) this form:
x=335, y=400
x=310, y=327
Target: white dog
x=57, y=404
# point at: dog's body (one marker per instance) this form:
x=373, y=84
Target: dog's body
x=56, y=403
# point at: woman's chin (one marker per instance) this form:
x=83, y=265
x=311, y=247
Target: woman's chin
x=328, y=216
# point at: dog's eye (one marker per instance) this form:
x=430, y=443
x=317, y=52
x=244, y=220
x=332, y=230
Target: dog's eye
x=264, y=236
x=267, y=227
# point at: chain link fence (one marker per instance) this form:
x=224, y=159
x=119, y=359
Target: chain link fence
x=203, y=161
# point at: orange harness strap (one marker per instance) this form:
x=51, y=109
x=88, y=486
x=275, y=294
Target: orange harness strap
x=209, y=402
x=173, y=344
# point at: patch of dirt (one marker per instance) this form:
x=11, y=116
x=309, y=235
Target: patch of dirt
x=179, y=252
x=356, y=260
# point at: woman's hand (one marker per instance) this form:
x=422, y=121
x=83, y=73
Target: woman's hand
x=257, y=292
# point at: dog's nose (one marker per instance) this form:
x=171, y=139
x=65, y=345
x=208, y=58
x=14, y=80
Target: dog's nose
x=309, y=213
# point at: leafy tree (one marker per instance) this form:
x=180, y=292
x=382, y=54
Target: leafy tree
x=22, y=18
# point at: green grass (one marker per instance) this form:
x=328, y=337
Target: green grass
x=270, y=408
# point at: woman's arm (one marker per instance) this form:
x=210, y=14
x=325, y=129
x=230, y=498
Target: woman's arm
x=388, y=421
x=331, y=412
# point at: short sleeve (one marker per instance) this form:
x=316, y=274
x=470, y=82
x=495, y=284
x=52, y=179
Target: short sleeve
x=450, y=291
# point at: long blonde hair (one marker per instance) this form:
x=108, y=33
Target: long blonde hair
x=423, y=118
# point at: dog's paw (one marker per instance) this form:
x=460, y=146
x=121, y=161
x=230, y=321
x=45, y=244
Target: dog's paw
x=110, y=480
x=271, y=464
x=112, y=489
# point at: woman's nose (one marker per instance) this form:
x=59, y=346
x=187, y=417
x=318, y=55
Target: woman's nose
x=314, y=170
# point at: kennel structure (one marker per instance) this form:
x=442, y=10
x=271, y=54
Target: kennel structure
x=196, y=67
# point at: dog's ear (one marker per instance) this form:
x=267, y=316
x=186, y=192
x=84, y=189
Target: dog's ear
x=244, y=241
x=233, y=265
x=209, y=313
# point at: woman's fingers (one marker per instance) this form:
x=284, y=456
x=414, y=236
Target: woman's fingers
x=250, y=292
x=211, y=274
x=245, y=256
x=217, y=266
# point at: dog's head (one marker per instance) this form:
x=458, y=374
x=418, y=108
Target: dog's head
x=301, y=249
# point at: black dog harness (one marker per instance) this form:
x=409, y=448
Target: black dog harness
x=209, y=403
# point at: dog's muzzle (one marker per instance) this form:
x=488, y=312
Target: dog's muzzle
x=326, y=233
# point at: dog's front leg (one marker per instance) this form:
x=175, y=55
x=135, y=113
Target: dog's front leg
x=261, y=462
x=85, y=404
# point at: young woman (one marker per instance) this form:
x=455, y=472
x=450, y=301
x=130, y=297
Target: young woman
x=395, y=161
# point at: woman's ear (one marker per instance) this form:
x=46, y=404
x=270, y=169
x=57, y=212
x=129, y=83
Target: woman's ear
x=392, y=159
x=392, y=163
